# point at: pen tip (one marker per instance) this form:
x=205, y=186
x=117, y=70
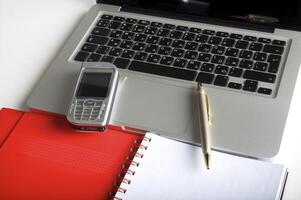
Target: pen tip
x=207, y=160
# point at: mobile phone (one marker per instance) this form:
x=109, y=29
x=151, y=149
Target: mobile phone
x=93, y=97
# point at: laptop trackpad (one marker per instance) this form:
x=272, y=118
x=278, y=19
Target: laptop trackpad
x=155, y=105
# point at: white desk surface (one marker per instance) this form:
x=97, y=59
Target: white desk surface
x=33, y=31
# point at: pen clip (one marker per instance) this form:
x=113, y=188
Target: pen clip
x=208, y=108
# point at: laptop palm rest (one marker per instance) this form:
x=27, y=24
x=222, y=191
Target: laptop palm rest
x=158, y=106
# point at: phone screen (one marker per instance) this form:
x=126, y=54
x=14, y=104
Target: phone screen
x=94, y=85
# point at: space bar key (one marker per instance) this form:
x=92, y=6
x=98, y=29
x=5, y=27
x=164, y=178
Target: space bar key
x=162, y=70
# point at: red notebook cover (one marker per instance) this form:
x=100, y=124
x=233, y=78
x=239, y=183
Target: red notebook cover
x=42, y=157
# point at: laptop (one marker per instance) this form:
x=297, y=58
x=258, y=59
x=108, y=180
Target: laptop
x=246, y=54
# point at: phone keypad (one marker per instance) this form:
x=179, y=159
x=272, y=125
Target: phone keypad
x=88, y=109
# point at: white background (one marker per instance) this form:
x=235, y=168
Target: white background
x=33, y=31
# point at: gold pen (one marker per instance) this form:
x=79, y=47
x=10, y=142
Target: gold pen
x=203, y=122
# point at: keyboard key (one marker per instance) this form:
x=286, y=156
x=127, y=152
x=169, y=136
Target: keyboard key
x=89, y=47
x=150, y=30
x=222, y=34
x=221, y=80
x=176, y=34
x=205, y=57
x=260, y=56
x=101, y=31
x=273, y=49
x=259, y=76
x=218, y=50
x=114, y=25
x=232, y=52
x=242, y=44
x=117, y=18
x=204, y=47
x=177, y=52
x=163, y=50
x=103, y=49
x=81, y=56
x=106, y=17
x=126, y=44
x=260, y=66
x=228, y=42
x=138, y=28
x=128, y=36
x=180, y=62
x=195, y=65
x=235, y=85
x=254, y=46
x=162, y=70
x=214, y=40
x=94, y=57
x=220, y=69
x=113, y=42
x=208, y=32
x=250, y=85
x=156, y=24
x=218, y=59
x=163, y=32
x=152, y=39
x=115, y=52
x=266, y=91
x=153, y=58
x=151, y=48
x=188, y=36
x=236, y=72
x=264, y=40
x=165, y=41
x=250, y=38
x=273, y=67
x=279, y=42
x=236, y=36
x=140, y=37
x=131, y=20
x=246, y=64
x=182, y=28
x=107, y=59
x=205, y=77
x=195, y=30
x=121, y=63
x=246, y=54
x=116, y=34
x=191, y=45
x=191, y=55
x=274, y=63
x=140, y=56
x=103, y=23
x=167, y=60
x=169, y=26
x=128, y=54
x=144, y=22
x=233, y=62
x=207, y=67
x=97, y=40
x=138, y=46
x=178, y=43
x=202, y=38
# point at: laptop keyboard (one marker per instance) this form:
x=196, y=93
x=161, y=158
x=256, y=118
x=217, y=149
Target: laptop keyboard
x=239, y=62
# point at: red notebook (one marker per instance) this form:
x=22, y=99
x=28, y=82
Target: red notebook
x=42, y=157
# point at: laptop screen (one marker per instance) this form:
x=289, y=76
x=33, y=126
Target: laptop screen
x=281, y=14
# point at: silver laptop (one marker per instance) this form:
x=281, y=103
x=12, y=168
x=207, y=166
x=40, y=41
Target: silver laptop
x=246, y=56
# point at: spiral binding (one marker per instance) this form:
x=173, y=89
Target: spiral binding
x=135, y=153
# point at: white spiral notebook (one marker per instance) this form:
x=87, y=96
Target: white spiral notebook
x=166, y=169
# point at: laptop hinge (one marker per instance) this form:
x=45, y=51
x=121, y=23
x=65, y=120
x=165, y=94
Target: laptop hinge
x=197, y=18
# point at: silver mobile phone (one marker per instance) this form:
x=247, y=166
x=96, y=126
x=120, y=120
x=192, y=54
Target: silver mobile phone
x=93, y=97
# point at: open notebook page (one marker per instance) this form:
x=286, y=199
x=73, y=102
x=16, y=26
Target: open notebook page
x=173, y=170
